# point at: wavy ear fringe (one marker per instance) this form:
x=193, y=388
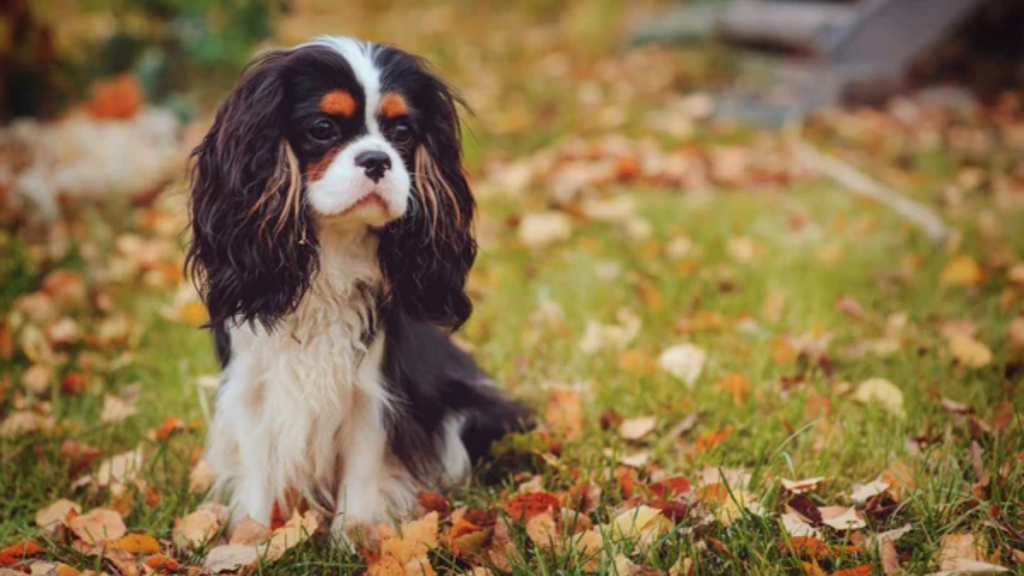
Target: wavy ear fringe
x=253, y=252
x=426, y=255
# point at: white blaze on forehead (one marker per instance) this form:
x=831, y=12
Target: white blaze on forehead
x=360, y=58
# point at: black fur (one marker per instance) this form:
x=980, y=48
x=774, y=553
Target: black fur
x=432, y=378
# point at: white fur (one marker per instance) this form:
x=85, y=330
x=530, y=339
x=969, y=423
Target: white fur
x=360, y=57
x=343, y=184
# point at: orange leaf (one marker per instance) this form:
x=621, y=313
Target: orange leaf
x=712, y=439
x=161, y=563
x=736, y=385
x=522, y=507
x=434, y=502
x=564, y=413
x=169, y=426
x=627, y=480
x=670, y=487
x=15, y=553
x=137, y=544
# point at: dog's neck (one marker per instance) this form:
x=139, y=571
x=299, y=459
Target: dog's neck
x=348, y=264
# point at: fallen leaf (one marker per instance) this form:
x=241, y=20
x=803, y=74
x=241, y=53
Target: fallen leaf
x=797, y=526
x=297, y=530
x=802, y=486
x=56, y=514
x=195, y=529
x=161, y=563
x=962, y=270
x=637, y=428
x=863, y=492
x=735, y=385
x=249, y=532
x=137, y=544
x=970, y=352
x=16, y=553
x=644, y=524
x=25, y=422
x=98, y=525
x=230, y=558
x=1015, y=333
x=434, y=502
x=670, y=488
x=598, y=336
x=862, y=570
x=684, y=361
x=522, y=507
x=841, y=518
x=888, y=556
x=406, y=555
x=201, y=477
x=712, y=439
x=542, y=530
x=564, y=413
x=38, y=379
x=116, y=409
x=121, y=468
x=883, y=392
x=954, y=547
x=964, y=567
x=537, y=230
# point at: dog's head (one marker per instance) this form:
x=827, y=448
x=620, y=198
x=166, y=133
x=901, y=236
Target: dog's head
x=334, y=133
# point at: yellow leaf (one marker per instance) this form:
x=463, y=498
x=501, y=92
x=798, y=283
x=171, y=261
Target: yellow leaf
x=970, y=352
x=882, y=391
x=962, y=270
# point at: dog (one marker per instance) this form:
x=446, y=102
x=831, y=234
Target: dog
x=331, y=224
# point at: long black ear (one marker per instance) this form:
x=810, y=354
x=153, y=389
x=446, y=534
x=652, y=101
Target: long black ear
x=426, y=255
x=253, y=251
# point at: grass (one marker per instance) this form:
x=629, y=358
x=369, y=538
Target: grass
x=797, y=420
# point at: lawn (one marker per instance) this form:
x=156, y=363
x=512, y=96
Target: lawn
x=676, y=296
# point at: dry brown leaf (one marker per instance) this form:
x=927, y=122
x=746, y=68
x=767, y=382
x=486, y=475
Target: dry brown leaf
x=564, y=413
x=735, y=385
x=1015, y=333
x=116, y=409
x=406, y=554
x=196, y=529
x=637, y=428
x=883, y=392
x=802, y=486
x=56, y=514
x=121, y=468
x=684, y=361
x=959, y=547
x=863, y=492
x=543, y=531
x=98, y=525
x=841, y=518
x=230, y=558
x=644, y=524
x=201, y=477
x=38, y=379
x=249, y=532
x=888, y=556
x=298, y=529
x=970, y=352
x=537, y=230
x=25, y=422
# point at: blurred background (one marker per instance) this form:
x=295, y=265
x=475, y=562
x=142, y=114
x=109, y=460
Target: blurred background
x=766, y=223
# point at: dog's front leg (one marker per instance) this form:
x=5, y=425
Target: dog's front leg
x=361, y=496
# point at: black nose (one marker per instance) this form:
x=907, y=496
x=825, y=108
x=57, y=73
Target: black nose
x=375, y=162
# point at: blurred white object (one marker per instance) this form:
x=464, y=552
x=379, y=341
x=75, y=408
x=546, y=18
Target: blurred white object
x=81, y=156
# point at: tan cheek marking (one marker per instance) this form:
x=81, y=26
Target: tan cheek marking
x=315, y=170
x=339, y=102
x=393, y=105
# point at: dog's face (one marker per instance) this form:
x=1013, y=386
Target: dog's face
x=335, y=133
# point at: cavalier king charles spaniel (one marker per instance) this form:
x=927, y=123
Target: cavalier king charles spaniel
x=331, y=239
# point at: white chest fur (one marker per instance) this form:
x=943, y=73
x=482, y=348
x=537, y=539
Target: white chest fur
x=302, y=407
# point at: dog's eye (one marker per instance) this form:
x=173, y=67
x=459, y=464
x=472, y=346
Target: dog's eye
x=401, y=132
x=322, y=130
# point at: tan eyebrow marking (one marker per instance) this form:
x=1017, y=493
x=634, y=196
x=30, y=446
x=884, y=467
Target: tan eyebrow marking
x=393, y=105
x=338, y=102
